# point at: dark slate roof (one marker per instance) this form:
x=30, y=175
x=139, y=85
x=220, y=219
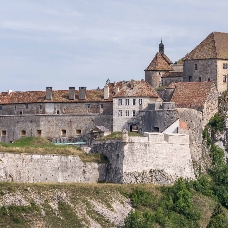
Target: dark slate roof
x=160, y=62
x=172, y=74
x=137, y=89
x=215, y=46
x=191, y=94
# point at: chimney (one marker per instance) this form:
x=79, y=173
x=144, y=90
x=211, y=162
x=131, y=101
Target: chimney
x=48, y=93
x=106, y=92
x=10, y=91
x=71, y=93
x=82, y=93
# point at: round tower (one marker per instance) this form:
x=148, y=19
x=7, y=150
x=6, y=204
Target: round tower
x=158, y=67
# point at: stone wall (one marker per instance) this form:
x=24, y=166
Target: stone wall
x=206, y=70
x=36, y=168
x=156, y=158
x=194, y=120
x=166, y=81
x=128, y=113
x=154, y=77
x=58, y=108
x=159, y=116
x=51, y=126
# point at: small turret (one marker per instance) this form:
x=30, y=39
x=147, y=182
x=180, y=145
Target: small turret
x=161, y=48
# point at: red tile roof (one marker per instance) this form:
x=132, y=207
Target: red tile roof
x=57, y=96
x=137, y=89
x=215, y=46
x=191, y=94
x=160, y=62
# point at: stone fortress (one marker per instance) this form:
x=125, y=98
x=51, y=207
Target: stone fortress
x=169, y=109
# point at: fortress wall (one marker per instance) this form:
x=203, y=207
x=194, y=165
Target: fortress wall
x=62, y=108
x=36, y=168
x=51, y=126
x=161, y=160
x=156, y=158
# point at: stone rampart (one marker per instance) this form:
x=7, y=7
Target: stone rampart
x=155, y=158
x=49, y=168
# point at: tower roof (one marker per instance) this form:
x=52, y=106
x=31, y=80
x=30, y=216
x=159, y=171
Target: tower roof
x=160, y=62
x=214, y=46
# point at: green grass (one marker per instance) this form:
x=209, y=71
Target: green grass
x=39, y=145
x=117, y=135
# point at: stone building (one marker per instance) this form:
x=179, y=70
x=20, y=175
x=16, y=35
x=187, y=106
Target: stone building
x=63, y=115
x=161, y=71
x=208, y=61
x=129, y=104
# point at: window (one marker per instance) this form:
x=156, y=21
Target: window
x=209, y=79
x=127, y=101
x=26, y=106
x=101, y=105
x=196, y=67
x=78, y=131
x=224, y=78
x=57, y=112
x=190, y=78
x=88, y=106
x=140, y=101
x=38, y=132
x=3, y=132
x=225, y=65
x=23, y=133
x=134, y=101
x=41, y=107
x=133, y=112
x=21, y=112
x=120, y=113
x=15, y=107
x=63, y=133
x=127, y=112
x=199, y=79
x=0, y=107
x=120, y=102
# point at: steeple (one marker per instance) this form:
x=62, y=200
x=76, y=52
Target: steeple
x=161, y=47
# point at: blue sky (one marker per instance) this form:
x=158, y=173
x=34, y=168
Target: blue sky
x=83, y=43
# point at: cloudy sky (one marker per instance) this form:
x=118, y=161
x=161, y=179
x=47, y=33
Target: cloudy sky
x=63, y=43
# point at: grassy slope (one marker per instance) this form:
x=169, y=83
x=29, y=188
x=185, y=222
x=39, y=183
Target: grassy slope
x=68, y=205
x=38, y=145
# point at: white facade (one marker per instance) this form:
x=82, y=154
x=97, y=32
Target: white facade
x=126, y=111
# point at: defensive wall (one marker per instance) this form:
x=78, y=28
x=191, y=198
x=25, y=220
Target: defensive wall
x=155, y=158
x=70, y=126
x=27, y=168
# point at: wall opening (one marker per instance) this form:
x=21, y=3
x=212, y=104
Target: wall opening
x=57, y=111
x=63, y=133
x=156, y=129
x=23, y=133
x=3, y=132
x=38, y=132
x=134, y=128
x=78, y=131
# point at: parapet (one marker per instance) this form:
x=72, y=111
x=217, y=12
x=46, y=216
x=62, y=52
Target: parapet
x=161, y=106
x=172, y=138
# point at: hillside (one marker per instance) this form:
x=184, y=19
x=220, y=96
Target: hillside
x=83, y=205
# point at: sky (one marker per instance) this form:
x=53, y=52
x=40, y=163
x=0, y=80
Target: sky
x=82, y=43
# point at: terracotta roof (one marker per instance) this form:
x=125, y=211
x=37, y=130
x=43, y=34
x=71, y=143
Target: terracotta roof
x=137, y=89
x=172, y=74
x=191, y=94
x=57, y=96
x=215, y=46
x=160, y=62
